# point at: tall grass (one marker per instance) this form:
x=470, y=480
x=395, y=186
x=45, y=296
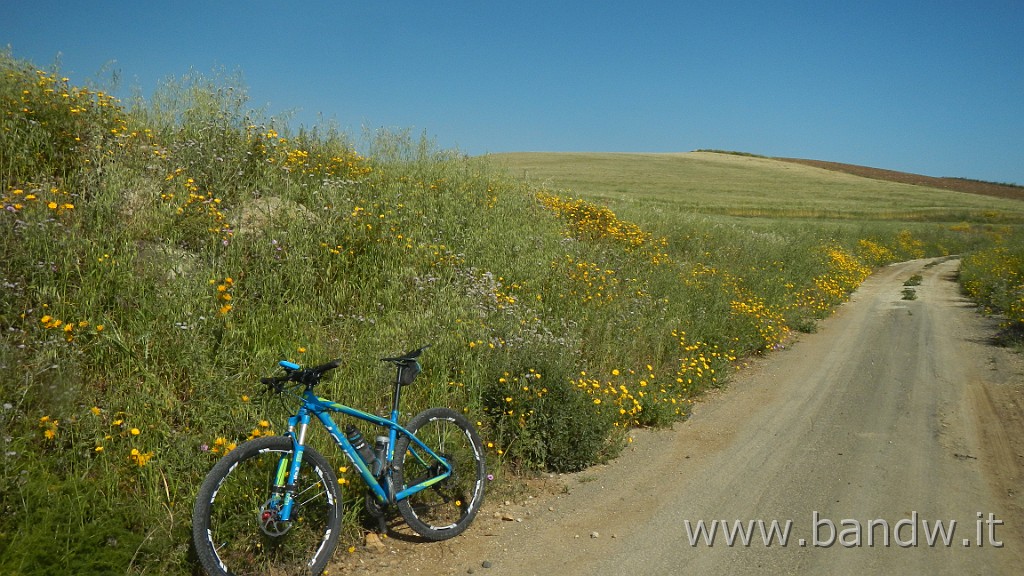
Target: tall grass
x=159, y=257
x=994, y=277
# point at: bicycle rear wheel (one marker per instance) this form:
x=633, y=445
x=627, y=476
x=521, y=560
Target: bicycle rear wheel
x=235, y=525
x=446, y=508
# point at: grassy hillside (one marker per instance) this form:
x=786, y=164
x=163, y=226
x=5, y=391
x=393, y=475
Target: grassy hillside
x=737, y=185
x=1014, y=191
x=758, y=202
x=160, y=256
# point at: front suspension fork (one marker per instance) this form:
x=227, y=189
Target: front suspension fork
x=282, y=499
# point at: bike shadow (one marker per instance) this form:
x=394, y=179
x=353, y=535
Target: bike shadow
x=395, y=528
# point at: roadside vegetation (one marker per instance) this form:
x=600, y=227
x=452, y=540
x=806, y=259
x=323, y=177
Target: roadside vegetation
x=994, y=277
x=159, y=256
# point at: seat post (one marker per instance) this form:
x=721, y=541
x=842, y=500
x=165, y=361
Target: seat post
x=397, y=393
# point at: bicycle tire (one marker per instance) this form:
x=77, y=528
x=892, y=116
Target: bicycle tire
x=447, y=508
x=234, y=532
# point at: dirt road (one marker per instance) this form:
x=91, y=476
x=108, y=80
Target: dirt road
x=895, y=416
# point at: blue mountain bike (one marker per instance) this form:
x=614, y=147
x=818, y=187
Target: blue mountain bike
x=273, y=505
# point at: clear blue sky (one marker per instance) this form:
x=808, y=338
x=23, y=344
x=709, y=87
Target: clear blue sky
x=934, y=87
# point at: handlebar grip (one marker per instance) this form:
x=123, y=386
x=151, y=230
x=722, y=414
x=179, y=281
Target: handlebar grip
x=327, y=366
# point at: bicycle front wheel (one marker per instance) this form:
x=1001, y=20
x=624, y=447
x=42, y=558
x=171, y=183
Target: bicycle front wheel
x=445, y=508
x=236, y=525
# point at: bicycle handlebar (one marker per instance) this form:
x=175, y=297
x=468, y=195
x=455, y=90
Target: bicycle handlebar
x=311, y=376
x=295, y=373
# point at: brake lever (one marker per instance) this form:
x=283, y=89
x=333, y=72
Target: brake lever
x=274, y=384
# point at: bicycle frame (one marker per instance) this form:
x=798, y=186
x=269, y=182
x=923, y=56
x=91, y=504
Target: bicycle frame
x=313, y=405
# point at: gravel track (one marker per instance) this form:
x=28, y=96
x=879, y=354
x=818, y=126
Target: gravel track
x=896, y=410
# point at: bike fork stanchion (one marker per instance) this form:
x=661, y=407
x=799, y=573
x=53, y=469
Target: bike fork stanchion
x=298, y=444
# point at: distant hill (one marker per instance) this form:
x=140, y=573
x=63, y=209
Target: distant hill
x=955, y=184
x=739, y=184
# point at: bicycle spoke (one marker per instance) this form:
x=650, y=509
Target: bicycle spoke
x=448, y=505
x=240, y=523
x=313, y=497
